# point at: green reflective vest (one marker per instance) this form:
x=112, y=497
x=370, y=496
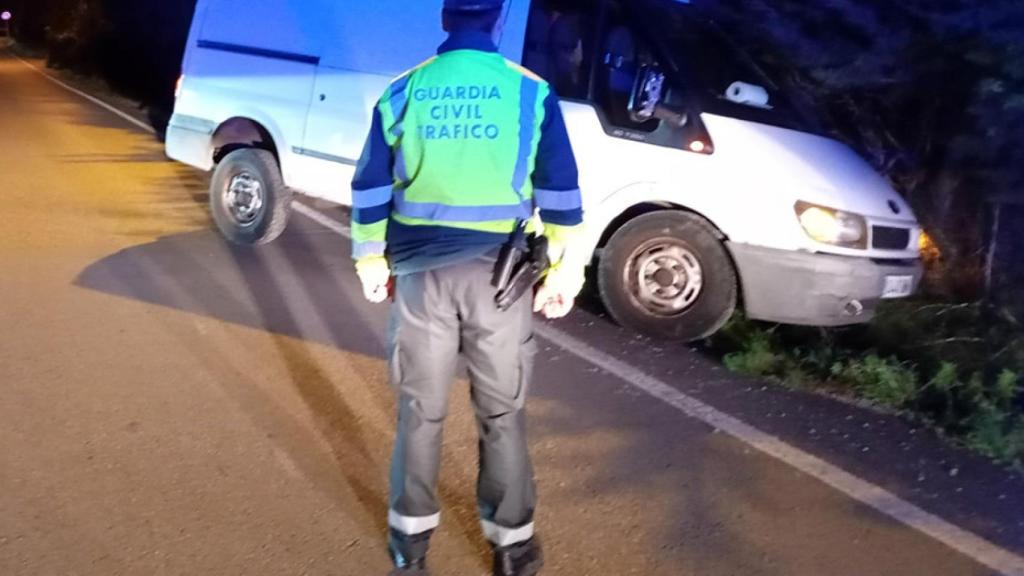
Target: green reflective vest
x=465, y=127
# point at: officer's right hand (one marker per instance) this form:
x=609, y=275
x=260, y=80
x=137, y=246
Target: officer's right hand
x=375, y=293
x=375, y=276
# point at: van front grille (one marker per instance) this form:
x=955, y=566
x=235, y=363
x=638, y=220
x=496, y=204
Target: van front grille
x=888, y=238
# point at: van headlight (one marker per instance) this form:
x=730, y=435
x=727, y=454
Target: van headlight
x=831, y=226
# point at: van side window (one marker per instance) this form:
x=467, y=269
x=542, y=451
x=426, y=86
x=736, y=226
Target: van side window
x=564, y=46
x=556, y=44
x=621, y=55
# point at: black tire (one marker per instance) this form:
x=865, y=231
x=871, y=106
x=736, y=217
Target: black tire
x=260, y=225
x=701, y=308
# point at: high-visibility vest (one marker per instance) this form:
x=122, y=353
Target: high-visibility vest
x=465, y=127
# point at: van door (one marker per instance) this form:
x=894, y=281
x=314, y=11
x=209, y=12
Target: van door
x=372, y=43
x=336, y=128
x=258, y=60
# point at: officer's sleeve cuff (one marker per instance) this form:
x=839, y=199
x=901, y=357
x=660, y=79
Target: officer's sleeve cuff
x=568, y=258
x=373, y=266
x=564, y=243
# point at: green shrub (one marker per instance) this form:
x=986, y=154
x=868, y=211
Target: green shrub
x=1007, y=389
x=884, y=381
x=945, y=387
x=998, y=436
x=757, y=358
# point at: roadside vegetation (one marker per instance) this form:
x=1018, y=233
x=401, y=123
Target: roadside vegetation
x=956, y=367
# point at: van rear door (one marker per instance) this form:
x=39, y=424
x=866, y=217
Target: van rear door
x=258, y=60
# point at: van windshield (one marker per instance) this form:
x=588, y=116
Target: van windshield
x=712, y=63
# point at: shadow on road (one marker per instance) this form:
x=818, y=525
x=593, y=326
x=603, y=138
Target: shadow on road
x=288, y=290
x=301, y=289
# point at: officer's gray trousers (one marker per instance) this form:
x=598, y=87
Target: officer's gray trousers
x=436, y=316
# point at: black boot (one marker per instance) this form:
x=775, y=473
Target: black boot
x=522, y=559
x=409, y=553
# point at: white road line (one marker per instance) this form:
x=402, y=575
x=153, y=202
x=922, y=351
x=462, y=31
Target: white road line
x=88, y=97
x=322, y=219
x=967, y=543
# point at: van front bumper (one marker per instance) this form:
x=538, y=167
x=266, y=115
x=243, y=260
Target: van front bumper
x=814, y=289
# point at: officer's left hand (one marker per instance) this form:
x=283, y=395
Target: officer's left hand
x=553, y=302
x=564, y=282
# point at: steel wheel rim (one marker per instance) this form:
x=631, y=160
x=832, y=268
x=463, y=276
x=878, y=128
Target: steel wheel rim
x=664, y=277
x=243, y=197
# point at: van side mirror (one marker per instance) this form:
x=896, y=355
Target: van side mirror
x=645, y=103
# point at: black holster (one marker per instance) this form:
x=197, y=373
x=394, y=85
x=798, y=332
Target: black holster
x=521, y=265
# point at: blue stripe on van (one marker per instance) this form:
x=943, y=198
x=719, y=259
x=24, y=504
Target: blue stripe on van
x=260, y=52
x=324, y=156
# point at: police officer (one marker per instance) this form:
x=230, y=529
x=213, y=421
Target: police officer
x=461, y=149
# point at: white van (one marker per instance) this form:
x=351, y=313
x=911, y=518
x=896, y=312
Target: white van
x=704, y=189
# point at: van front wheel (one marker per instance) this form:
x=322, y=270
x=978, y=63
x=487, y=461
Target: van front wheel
x=248, y=198
x=666, y=274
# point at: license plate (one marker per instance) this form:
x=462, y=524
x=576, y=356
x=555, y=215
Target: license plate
x=898, y=286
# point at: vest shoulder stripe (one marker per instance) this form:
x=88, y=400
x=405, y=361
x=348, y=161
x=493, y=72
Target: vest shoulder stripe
x=524, y=71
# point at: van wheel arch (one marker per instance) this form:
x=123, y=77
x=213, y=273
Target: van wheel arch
x=643, y=208
x=238, y=133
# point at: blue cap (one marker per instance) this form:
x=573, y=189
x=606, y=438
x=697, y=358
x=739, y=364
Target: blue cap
x=473, y=5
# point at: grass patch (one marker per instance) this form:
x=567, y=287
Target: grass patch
x=883, y=381
x=957, y=367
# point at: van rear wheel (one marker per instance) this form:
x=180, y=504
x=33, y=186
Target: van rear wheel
x=248, y=198
x=666, y=274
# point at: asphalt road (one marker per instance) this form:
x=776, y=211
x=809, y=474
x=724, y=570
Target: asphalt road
x=170, y=404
